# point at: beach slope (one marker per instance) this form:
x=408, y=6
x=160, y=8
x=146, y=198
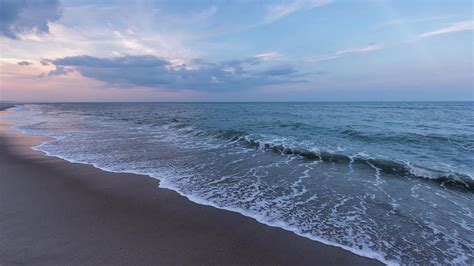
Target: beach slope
x=55, y=212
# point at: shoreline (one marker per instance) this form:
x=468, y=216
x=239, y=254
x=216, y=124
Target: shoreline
x=61, y=212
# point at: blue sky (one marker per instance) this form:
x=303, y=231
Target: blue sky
x=320, y=50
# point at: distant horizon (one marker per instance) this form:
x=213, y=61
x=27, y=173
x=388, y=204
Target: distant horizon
x=382, y=101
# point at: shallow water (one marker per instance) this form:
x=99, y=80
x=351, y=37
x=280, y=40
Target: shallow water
x=391, y=181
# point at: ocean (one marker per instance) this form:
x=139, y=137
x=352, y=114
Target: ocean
x=392, y=181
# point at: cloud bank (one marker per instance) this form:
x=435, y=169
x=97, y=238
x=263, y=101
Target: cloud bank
x=152, y=71
x=19, y=17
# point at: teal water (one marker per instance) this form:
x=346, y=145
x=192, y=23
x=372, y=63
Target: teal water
x=391, y=181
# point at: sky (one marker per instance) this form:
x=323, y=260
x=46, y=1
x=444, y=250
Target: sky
x=242, y=50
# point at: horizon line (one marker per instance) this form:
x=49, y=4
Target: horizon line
x=340, y=101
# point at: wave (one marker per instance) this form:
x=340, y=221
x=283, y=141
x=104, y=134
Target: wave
x=410, y=137
x=386, y=166
x=406, y=169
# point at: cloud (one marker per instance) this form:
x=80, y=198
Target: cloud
x=459, y=26
x=156, y=72
x=412, y=20
x=277, y=11
x=194, y=16
x=340, y=53
x=365, y=49
x=19, y=17
x=254, y=60
x=268, y=56
x=45, y=62
x=24, y=63
x=60, y=70
x=281, y=70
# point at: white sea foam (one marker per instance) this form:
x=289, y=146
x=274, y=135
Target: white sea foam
x=163, y=177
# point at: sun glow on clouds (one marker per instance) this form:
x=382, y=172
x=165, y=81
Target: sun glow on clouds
x=64, y=41
x=25, y=84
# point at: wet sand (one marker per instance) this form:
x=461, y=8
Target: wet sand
x=53, y=212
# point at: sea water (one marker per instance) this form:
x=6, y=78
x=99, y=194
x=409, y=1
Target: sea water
x=391, y=181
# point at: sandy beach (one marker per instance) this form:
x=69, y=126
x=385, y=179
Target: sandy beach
x=54, y=212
